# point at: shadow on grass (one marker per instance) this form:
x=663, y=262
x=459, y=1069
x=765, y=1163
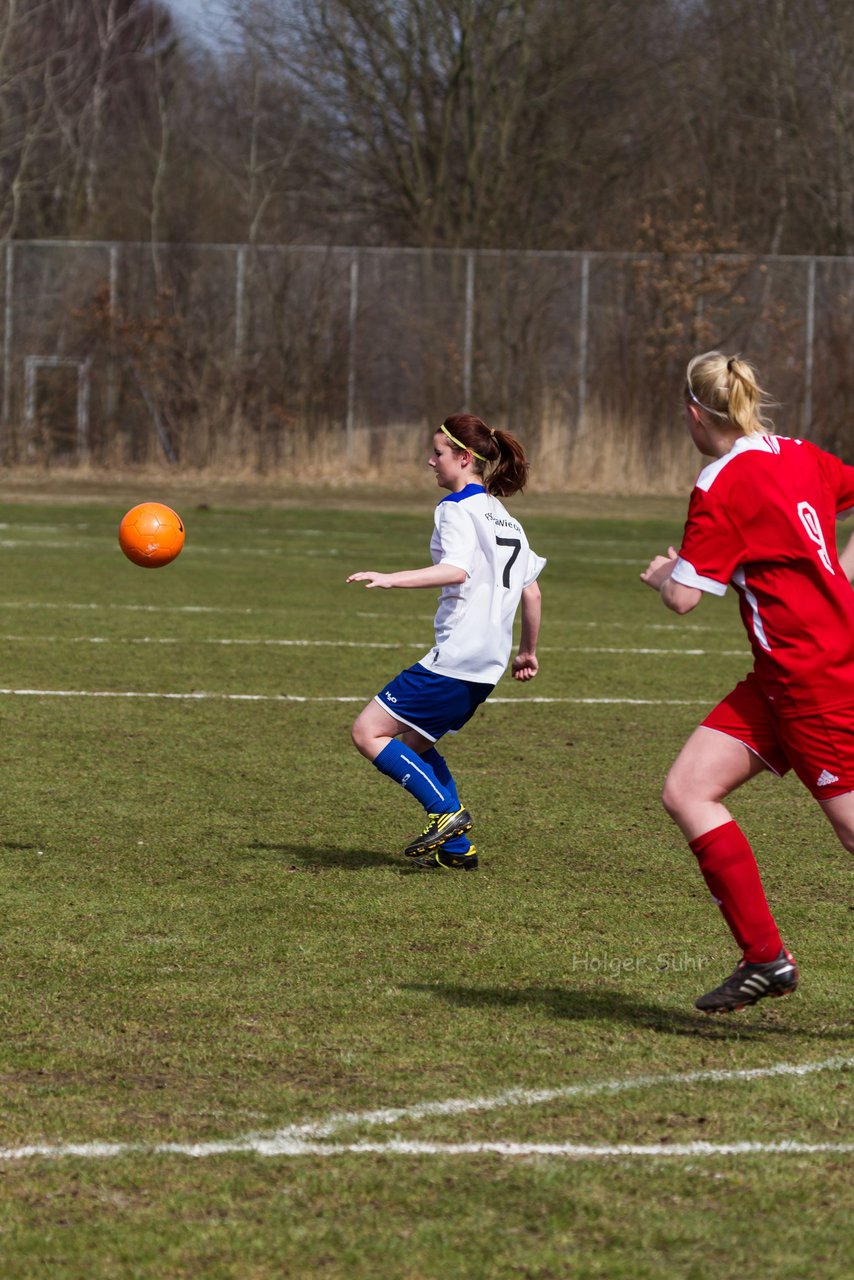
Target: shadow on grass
x=607, y=1005
x=307, y=857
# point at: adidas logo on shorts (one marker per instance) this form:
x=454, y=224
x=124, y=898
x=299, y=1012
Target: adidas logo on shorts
x=825, y=778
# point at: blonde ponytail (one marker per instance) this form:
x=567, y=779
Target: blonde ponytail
x=727, y=388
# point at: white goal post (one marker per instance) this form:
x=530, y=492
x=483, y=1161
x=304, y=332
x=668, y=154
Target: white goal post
x=32, y=365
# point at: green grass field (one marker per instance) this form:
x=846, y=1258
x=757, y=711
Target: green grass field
x=241, y=1041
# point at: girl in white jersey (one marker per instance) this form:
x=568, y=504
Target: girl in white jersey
x=484, y=568
x=762, y=519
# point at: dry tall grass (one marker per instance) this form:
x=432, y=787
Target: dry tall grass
x=606, y=458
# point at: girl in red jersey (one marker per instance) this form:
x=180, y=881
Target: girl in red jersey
x=761, y=517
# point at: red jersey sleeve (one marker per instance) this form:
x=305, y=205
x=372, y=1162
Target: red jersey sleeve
x=839, y=478
x=712, y=548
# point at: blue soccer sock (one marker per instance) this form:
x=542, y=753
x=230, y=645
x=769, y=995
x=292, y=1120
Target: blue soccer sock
x=415, y=775
x=444, y=777
x=439, y=765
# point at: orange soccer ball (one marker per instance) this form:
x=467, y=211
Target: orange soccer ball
x=151, y=534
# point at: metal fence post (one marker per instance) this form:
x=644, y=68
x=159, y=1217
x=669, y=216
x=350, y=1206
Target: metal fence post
x=240, y=303
x=468, y=335
x=583, y=340
x=351, y=354
x=809, y=352
x=112, y=373
x=9, y=287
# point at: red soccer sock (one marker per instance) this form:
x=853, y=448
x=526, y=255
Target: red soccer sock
x=729, y=869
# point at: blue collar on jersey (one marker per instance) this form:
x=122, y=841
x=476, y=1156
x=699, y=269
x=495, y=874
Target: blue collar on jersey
x=470, y=491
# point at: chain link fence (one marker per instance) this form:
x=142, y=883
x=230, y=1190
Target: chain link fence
x=268, y=357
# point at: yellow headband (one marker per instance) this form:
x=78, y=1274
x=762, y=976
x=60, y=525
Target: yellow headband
x=460, y=444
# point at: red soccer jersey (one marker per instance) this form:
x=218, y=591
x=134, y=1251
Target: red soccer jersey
x=763, y=518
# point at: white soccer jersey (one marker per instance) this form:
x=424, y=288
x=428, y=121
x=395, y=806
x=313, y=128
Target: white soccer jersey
x=474, y=621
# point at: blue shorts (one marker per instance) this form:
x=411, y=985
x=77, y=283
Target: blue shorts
x=430, y=703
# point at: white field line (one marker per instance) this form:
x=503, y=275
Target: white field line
x=62, y=606
x=266, y=553
x=67, y=544
x=98, y=531
x=262, y=642
x=112, y=606
x=577, y=623
x=307, y=1139
x=275, y=642
x=206, y=696
x=38, y=528
x=272, y=552
x=569, y=1150
x=400, y=1147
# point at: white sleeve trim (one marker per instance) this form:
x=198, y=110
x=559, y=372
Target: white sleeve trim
x=536, y=564
x=455, y=564
x=457, y=537
x=687, y=576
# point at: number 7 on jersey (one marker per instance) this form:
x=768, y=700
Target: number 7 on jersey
x=517, y=547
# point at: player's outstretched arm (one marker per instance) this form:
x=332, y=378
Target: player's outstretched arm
x=525, y=665
x=659, y=569
x=846, y=558
x=676, y=596
x=434, y=575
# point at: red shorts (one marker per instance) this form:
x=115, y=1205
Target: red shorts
x=819, y=747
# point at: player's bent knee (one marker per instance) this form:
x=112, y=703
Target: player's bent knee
x=846, y=838
x=672, y=799
x=680, y=801
x=840, y=814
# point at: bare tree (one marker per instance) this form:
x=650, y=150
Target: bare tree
x=255, y=144
x=74, y=83
x=27, y=123
x=421, y=101
x=532, y=123
x=768, y=120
